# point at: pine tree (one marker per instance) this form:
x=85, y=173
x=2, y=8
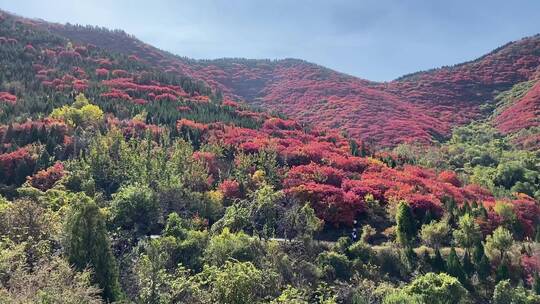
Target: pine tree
x=483, y=212
x=468, y=266
x=428, y=217
x=536, y=283
x=353, y=145
x=409, y=257
x=426, y=258
x=87, y=244
x=8, y=136
x=503, y=271
x=466, y=208
x=451, y=208
x=483, y=268
x=22, y=170
x=437, y=263
x=406, y=226
x=453, y=266
x=44, y=160
x=478, y=252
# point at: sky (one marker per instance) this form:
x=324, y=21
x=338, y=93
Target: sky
x=378, y=40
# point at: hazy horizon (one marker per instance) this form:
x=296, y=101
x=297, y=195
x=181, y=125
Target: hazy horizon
x=375, y=40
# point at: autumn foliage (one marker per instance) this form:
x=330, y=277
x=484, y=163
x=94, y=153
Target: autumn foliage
x=45, y=179
x=203, y=102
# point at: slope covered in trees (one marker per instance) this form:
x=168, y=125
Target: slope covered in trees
x=420, y=107
x=124, y=181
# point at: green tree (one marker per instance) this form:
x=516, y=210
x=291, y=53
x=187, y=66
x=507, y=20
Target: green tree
x=367, y=233
x=505, y=293
x=506, y=212
x=468, y=266
x=498, y=243
x=406, y=225
x=336, y=265
x=291, y=295
x=536, y=283
x=237, y=217
x=468, y=233
x=434, y=233
x=483, y=268
x=153, y=281
x=453, y=266
x=87, y=244
x=81, y=113
x=175, y=226
x=301, y=222
x=508, y=174
x=182, y=243
x=503, y=270
x=437, y=289
x=360, y=250
x=437, y=263
x=264, y=209
x=478, y=252
x=401, y=297
x=26, y=221
x=52, y=281
x=232, y=246
x=234, y=282
x=135, y=208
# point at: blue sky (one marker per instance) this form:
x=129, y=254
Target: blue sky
x=377, y=40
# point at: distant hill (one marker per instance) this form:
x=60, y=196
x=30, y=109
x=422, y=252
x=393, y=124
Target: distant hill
x=420, y=107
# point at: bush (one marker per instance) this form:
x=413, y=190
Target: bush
x=505, y=294
x=228, y=246
x=335, y=264
x=234, y=282
x=135, y=208
x=437, y=289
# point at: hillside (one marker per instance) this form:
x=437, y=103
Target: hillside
x=421, y=107
x=128, y=174
x=44, y=72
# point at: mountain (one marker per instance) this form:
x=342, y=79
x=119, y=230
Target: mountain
x=131, y=174
x=421, y=107
x=43, y=72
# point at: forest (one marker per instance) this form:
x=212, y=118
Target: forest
x=122, y=181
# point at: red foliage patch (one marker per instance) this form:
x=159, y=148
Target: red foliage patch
x=313, y=173
x=422, y=204
x=278, y=123
x=330, y=203
x=135, y=128
x=522, y=114
x=165, y=96
x=9, y=162
x=528, y=214
x=230, y=189
x=102, y=72
x=116, y=94
x=191, y=125
x=120, y=73
x=8, y=98
x=210, y=161
x=450, y=177
x=45, y=179
x=530, y=266
x=69, y=55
